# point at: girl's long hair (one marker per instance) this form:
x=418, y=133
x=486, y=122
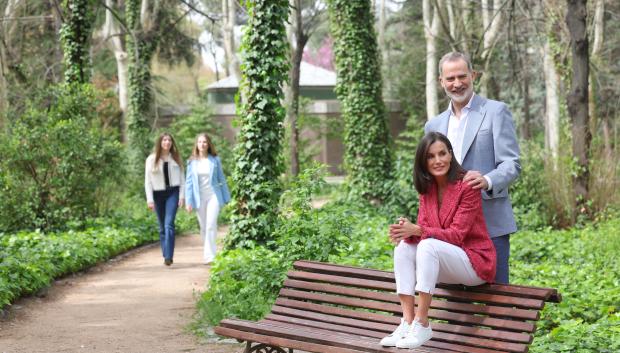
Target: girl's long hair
x=422, y=179
x=174, y=151
x=210, y=147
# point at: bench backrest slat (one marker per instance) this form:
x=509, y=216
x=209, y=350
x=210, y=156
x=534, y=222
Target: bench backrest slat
x=545, y=294
x=490, y=310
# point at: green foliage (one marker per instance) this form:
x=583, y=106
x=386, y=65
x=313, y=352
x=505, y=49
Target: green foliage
x=583, y=265
x=243, y=284
x=29, y=261
x=75, y=37
x=527, y=192
x=258, y=152
x=55, y=161
x=304, y=232
x=366, y=137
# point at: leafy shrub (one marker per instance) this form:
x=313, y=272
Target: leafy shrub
x=528, y=191
x=29, y=261
x=243, y=284
x=583, y=265
x=306, y=233
x=55, y=160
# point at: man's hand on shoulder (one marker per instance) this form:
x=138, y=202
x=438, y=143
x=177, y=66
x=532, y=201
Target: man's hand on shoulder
x=476, y=180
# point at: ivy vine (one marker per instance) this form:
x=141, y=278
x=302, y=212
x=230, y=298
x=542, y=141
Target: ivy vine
x=367, y=159
x=140, y=48
x=75, y=38
x=258, y=162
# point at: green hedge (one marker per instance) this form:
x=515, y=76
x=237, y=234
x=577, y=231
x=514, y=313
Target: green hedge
x=29, y=261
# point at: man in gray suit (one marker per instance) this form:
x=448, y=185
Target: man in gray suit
x=483, y=136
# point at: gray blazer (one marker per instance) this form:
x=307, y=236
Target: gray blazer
x=489, y=146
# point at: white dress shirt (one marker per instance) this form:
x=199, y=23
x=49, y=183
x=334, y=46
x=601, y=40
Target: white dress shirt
x=456, y=132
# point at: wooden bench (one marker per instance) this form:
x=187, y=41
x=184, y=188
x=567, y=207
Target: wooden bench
x=340, y=309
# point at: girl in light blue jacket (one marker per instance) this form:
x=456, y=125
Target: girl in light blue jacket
x=206, y=191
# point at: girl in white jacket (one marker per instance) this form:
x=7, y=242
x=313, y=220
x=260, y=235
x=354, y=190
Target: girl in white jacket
x=164, y=184
x=206, y=190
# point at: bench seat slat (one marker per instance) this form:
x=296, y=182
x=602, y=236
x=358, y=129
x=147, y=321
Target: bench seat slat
x=447, y=293
x=374, y=341
x=459, y=341
x=279, y=341
x=388, y=327
x=502, y=311
x=316, y=336
x=546, y=294
x=433, y=313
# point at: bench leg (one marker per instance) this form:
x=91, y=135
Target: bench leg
x=264, y=348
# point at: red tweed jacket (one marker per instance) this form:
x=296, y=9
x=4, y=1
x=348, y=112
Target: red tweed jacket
x=460, y=222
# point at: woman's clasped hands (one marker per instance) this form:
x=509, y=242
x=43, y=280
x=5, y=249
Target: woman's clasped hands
x=404, y=229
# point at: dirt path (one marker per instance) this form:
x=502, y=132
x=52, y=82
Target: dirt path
x=129, y=304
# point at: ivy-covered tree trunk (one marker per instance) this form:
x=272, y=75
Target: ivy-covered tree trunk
x=577, y=99
x=258, y=164
x=75, y=38
x=366, y=138
x=140, y=48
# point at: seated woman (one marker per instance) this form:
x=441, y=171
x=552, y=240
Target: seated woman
x=448, y=244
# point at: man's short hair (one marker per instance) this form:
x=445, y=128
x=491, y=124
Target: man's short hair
x=454, y=56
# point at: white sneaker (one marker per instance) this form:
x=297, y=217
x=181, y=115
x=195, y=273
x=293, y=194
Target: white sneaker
x=397, y=335
x=416, y=336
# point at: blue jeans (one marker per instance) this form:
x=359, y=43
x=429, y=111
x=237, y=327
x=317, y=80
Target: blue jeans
x=166, y=204
x=502, y=248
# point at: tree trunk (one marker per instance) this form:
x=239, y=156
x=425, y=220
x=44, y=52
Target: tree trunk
x=597, y=46
x=8, y=29
x=113, y=36
x=298, y=41
x=492, y=17
x=525, y=125
x=431, y=30
x=232, y=62
x=577, y=99
x=552, y=103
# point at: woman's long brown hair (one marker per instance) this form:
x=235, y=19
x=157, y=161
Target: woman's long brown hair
x=174, y=151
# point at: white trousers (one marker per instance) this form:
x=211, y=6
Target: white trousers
x=207, y=218
x=421, y=266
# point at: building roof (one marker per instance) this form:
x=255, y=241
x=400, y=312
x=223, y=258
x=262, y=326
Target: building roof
x=310, y=76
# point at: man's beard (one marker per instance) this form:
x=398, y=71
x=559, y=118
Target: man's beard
x=460, y=98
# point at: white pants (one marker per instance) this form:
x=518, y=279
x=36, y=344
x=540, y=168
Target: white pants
x=421, y=266
x=207, y=218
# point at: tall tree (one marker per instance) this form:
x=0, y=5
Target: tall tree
x=115, y=41
x=229, y=12
x=75, y=37
x=366, y=138
x=153, y=28
x=577, y=99
x=431, y=31
x=258, y=151
x=140, y=48
x=304, y=18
